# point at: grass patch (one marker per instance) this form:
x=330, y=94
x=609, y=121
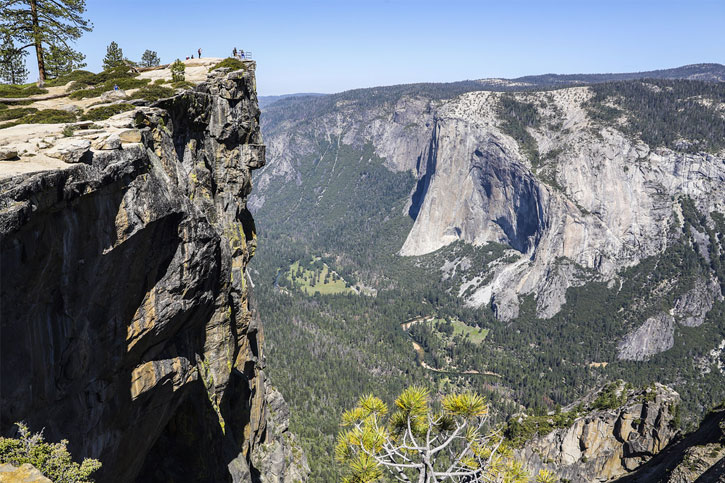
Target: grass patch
x=123, y=83
x=230, y=63
x=153, y=93
x=316, y=277
x=9, y=91
x=453, y=327
x=101, y=113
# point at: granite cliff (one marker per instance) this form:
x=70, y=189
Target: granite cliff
x=127, y=322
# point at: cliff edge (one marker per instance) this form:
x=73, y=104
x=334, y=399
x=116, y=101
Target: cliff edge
x=126, y=320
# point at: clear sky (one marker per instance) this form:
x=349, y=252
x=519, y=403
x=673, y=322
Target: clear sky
x=335, y=45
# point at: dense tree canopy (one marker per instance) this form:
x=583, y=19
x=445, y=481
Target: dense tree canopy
x=44, y=24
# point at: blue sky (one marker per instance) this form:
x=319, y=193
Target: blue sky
x=330, y=46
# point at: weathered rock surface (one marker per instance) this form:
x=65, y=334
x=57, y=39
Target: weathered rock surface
x=696, y=457
x=114, y=95
x=280, y=459
x=69, y=150
x=7, y=153
x=654, y=336
x=26, y=473
x=126, y=322
x=605, y=444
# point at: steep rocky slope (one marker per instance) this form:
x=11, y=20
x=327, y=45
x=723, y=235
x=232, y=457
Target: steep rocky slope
x=615, y=434
x=696, y=457
x=126, y=319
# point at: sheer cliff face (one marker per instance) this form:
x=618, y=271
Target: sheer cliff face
x=126, y=322
x=599, y=199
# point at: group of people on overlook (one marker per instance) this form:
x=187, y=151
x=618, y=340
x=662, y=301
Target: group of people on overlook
x=236, y=53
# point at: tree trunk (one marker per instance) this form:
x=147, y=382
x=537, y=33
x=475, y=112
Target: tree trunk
x=38, y=42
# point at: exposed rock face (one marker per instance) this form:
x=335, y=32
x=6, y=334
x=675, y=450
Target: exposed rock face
x=595, y=211
x=654, y=336
x=606, y=444
x=693, y=306
x=272, y=458
x=697, y=457
x=129, y=330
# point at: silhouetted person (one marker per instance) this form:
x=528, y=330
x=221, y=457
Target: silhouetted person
x=234, y=52
x=199, y=51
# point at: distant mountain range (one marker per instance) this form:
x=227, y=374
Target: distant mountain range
x=709, y=72
x=265, y=101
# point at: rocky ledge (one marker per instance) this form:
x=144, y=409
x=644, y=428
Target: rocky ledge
x=126, y=322
x=611, y=433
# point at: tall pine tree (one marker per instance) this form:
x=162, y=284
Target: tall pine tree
x=114, y=56
x=42, y=24
x=59, y=62
x=12, y=63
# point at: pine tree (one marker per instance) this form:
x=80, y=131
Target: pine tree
x=114, y=56
x=59, y=62
x=12, y=63
x=150, y=59
x=41, y=24
x=419, y=443
x=177, y=71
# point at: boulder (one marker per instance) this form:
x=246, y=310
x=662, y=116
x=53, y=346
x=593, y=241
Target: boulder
x=8, y=153
x=114, y=95
x=130, y=136
x=112, y=141
x=69, y=150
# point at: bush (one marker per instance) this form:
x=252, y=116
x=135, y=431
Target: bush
x=9, y=114
x=108, y=85
x=51, y=459
x=101, y=113
x=49, y=116
x=177, y=71
x=7, y=91
x=153, y=93
x=230, y=63
x=182, y=85
x=85, y=93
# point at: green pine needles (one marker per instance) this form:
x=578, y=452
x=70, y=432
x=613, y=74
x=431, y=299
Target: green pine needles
x=424, y=442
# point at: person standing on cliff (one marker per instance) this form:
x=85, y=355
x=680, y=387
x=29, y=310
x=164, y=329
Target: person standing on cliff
x=234, y=53
x=199, y=52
